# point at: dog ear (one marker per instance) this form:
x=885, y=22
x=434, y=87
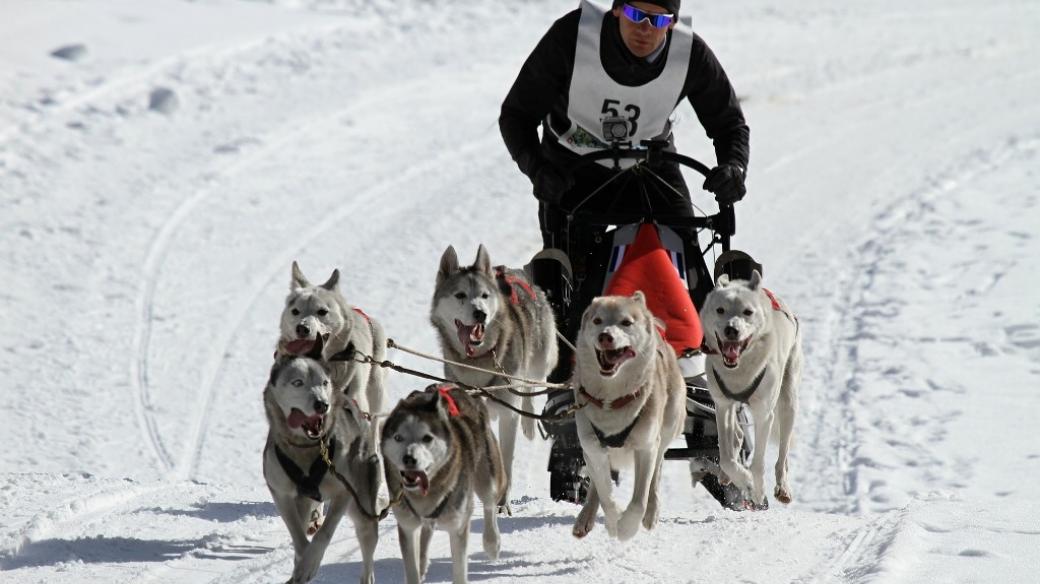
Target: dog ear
x=316, y=348
x=723, y=281
x=639, y=297
x=756, y=280
x=333, y=281
x=298, y=279
x=483, y=261
x=449, y=264
x=344, y=355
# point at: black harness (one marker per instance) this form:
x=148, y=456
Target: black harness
x=306, y=485
x=743, y=396
x=436, y=512
x=617, y=440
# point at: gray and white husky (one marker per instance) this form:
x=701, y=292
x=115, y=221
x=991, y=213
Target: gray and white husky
x=321, y=311
x=304, y=410
x=628, y=378
x=754, y=356
x=494, y=318
x=439, y=451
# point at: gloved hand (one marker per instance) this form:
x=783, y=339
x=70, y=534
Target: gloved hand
x=551, y=184
x=727, y=182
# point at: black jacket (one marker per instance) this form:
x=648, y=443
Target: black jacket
x=543, y=84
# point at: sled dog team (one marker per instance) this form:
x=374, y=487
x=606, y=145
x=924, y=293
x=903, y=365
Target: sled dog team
x=331, y=451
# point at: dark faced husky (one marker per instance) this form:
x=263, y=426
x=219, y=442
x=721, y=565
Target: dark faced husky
x=321, y=311
x=754, y=355
x=439, y=451
x=497, y=320
x=304, y=411
x=634, y=397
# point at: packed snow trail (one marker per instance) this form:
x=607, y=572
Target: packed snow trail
x=893, y=200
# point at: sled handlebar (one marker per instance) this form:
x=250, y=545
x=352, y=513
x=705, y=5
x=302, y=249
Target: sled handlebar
x=650, y=152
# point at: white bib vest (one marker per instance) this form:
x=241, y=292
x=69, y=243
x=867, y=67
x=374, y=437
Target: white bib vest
x=594, y=96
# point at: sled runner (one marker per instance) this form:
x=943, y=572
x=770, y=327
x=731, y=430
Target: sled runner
x=659, y=254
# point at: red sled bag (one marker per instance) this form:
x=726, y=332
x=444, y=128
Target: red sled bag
x=641, y=261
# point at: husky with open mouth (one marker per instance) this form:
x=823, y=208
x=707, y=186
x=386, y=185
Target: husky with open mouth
x=754, y=356
x=439, y=452
x=494, y=318
x=627, y=377
x=313, y=311
x=304, y=412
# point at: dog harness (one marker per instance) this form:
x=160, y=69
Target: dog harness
x=435, y=513
x=617, y=440
x=509, y=282
x=306, y=486
x=743, y=396
x=443, y=390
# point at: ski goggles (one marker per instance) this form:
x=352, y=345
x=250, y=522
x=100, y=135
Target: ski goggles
x=638, y=16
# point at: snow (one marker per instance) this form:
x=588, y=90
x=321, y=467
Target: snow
x=894, y=200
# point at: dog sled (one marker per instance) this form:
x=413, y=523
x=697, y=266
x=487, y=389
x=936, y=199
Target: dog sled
x=571, y=282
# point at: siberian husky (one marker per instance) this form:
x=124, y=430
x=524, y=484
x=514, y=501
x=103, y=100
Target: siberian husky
x=304, y=411
x=634, y=397
x=754, y=356
x=321, y=311
x=494, y=318
x=439, y=451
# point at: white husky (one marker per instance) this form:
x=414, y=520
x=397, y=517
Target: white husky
x=634, y=397
x=754, y=356
x=312, y=311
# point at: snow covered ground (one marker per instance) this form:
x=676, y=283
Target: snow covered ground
x=894, y=199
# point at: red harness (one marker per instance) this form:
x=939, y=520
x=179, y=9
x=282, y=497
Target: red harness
x=445, y=391
x=511, y=282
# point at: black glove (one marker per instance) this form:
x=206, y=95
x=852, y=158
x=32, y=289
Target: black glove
x=727, y=182
x=551, y=184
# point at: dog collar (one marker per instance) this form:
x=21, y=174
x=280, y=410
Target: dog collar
x=612, y=405
x=743, y=396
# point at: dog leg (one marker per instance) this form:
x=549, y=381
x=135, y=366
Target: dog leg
x=425, y=535
x=307, y=568
x=786, y=411
x=289, y=510
x=729, y=446
x=652, y=500
x=408, y=537
x=598, y=466
x=587, y=516
x=763, y=427
x=645, y=466
x=459, y=562
x=489, y=498
x=507, y=428
x=367, y=532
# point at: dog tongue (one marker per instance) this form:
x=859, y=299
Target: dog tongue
x=731, y=351
x=299, y=346
x=298, y=418
x=424, y=481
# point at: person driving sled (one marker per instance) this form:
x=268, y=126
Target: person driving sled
x=634, y=60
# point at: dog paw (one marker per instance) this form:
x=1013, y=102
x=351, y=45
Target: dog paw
x=629, y=523
x=652, y=512
x=783, y=495
x=505, y=510
x=492, y=545
x=584, y=523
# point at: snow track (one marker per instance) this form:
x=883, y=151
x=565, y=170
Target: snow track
x=894, y=201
